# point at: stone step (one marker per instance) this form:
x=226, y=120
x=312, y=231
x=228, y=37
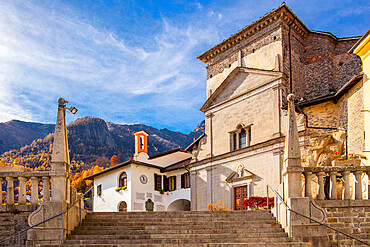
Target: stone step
x=232, y=217
x=241, y=219
x=174, y=223
x=255, y=244
x=99, y=231
x=252, y=212
x=178, y=241
x=195, y=226
x=194, y=237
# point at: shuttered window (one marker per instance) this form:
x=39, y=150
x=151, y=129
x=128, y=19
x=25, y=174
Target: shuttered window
x=157, y=181
x=185, y=180
x=172, y=183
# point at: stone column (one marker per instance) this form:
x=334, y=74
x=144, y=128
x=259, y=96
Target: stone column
x=209, y=185
x=10, y=191
x=358, y=185
x=46, y=189
x=347, y=194
x=308, y=190
x=333, y=182
x=320, y=178
x=22, y=190
x=35, y=190
x=193, y=189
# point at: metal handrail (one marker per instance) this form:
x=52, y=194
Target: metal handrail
x=52, y=217
x=291, y=210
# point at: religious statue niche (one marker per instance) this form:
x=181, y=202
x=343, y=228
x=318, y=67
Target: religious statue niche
x=240, y=174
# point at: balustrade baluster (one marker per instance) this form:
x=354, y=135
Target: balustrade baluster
x=1, y=191
x=35, y=190
x=320, y=178
x=10, y=191
x=22, y=190
x=347, y=194
x=307, y=179
x=368, y=184
x=333, y=182
x=46, y=188
x=358, y=185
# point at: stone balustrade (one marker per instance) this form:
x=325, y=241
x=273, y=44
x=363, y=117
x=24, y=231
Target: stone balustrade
x=23, y=177
x=332, y=173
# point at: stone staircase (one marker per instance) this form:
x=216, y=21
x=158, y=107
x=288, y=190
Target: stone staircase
x=208, y=229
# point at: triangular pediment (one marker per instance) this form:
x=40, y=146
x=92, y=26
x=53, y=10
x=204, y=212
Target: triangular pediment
x=243, y=174
x=239, y=82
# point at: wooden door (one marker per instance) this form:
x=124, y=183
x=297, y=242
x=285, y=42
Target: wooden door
x=240, y=195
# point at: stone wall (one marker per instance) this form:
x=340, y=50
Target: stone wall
x=354, y=100
x=350, y=217
x=11, y=223
x=257, y=52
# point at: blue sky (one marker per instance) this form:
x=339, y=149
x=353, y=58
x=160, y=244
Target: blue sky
x=131, y=61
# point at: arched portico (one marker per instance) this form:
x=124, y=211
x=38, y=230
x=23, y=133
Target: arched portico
x=179, y=205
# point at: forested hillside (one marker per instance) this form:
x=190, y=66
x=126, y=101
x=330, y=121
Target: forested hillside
x=94, y=144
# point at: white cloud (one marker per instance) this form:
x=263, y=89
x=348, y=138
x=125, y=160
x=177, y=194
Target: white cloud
x=46, y=55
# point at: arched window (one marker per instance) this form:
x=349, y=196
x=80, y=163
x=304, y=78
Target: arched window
x=142, y=146
x=242, y=138
x=123, y=179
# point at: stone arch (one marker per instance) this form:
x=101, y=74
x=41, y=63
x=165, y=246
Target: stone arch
x=179, y=205
x=122, y=206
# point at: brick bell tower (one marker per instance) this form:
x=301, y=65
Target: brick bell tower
x=141, y=142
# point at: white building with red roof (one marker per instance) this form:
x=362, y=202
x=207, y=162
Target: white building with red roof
x=158, y=182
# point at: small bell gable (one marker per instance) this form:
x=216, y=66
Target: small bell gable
x=141, y=142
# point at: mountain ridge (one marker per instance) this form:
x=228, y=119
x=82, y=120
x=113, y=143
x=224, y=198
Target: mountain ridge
x=89, y=138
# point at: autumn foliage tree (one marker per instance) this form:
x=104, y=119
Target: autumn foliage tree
x=114, y=161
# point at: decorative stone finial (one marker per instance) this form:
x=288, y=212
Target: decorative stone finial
x=62, y=101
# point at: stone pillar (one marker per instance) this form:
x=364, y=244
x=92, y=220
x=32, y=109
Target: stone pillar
x=60, y=158
x=347, y=194
x=55, y=231
x=46, y=189
x=292, y=171
x=276, y=128
x=22, y=190
x=333, y=182
x=320, y=180
x=10, y=191
x=193, y=189
x=209, y=185
x=358, y=185
x=308, y=190
x=35, y=190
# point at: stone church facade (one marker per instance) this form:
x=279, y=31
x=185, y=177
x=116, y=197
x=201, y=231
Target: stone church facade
x=249, y=76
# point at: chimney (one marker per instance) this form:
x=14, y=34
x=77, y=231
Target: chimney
x=141, y=143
